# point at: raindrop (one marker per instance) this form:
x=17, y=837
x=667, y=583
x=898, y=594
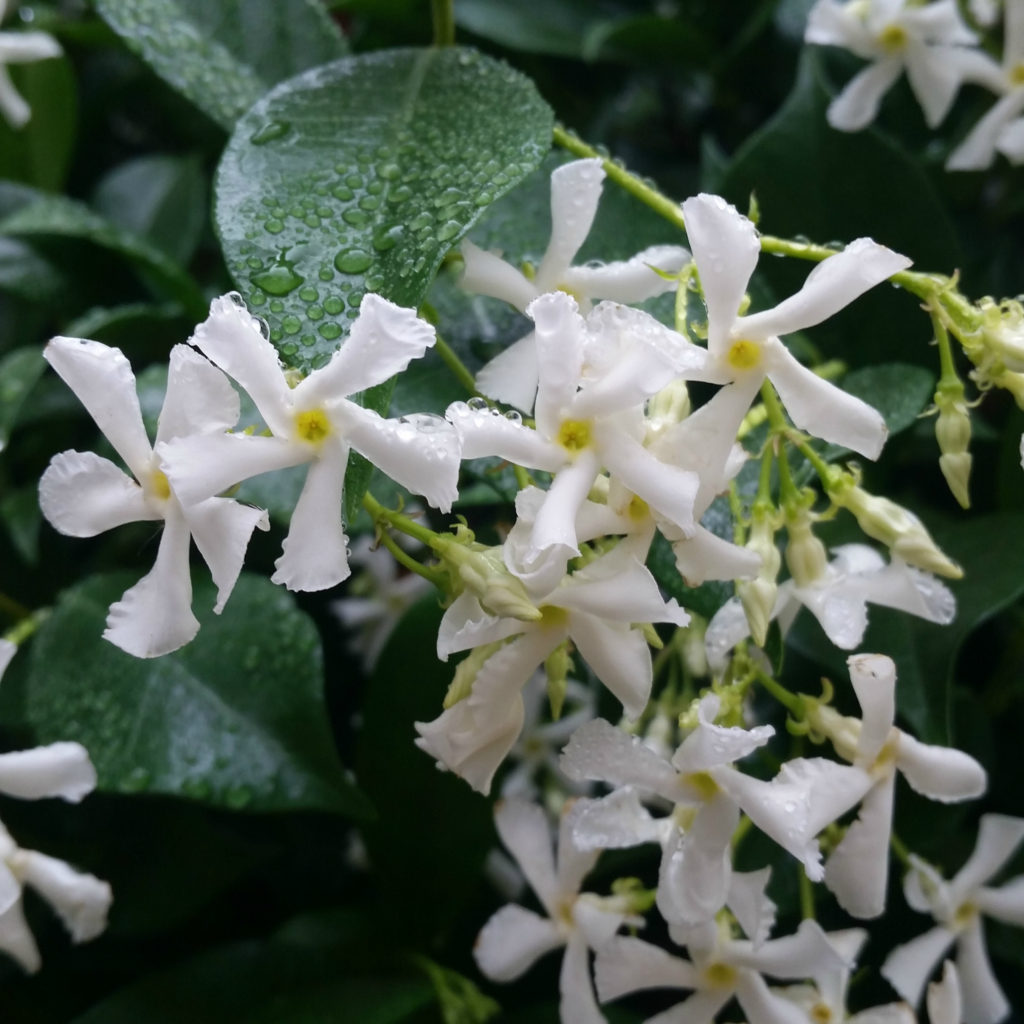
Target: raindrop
x=354, y=181
x=353, y=261
x=389, y=171
x=357, y=218
x=268, y=132
x=329, y=331
x=477, y=404
x=309, y=294
x=334, y=305
x=280, y=279
x=421, y=222
x=274, y=226
x=449, y=229
x=387, y=237
x=513, y=416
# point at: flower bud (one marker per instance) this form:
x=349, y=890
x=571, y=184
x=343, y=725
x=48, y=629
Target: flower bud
x=671, y=405
x=953, y=432
x=758, y=595
x=1003, y=331
x=896, y=527
x=806, y=556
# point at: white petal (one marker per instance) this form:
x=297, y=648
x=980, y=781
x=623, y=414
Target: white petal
x=383, y=340
x=630, y=280
x=935, y=74
x=199, y=398
x=762, y=1006
x=573, y=863
x=577, y=1004
x=488, y=274
x=1006, y=903
x=512, y=941
x=575, y=192
x=821, y=408
x=998, y=837
x=231, y=338
x=940, y=773
x=983, y=999
x=25, y=47
x=200, y=466
x=1011, y=141
x=555, y=524
x=909, y=966
x=726, y=250
x=630, y=965
x=858, y=869
x=618, y=656
x=82, y=494
x=706, y=556
x=978, y=149
x=420, y=452
x=155, y=616
x=669, y=490
x=710, y=745
x=559, y=337
x=315, y=553
x=944, y=1003
x=60, y=769
x=18, y=113
x=751, y=906
x=842, y=615
x=16, y=938
x=487, y=432
x=857, y=105
x=727, y=628
x=831, y=788
x=465, y=624
x=615, y=821
x=523, y=828
x=874, y=681
x=901, y=586
x=221, y=529
x=600, y=752
x=7, y=652
x=511, y=376
x=102, y=380
x=81, y=900
x=807, y=953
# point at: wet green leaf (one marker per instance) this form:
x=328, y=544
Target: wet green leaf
x=19, y=371
x=235, y=719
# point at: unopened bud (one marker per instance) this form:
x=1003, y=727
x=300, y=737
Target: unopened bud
x=557, y=667
x=899, y=529
x=953, y=432
x=758, y=595
x=671, y=405
x=806, y=556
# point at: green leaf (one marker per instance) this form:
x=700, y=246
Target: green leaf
x=297, y=975
x=224, y=54
x=160, y=198
x=39, y=153
x=61, y=217
x=19, y=371
x=28, y=274
x=514, y=23
x=235, y=719
x=406, y=788
x=359, y=176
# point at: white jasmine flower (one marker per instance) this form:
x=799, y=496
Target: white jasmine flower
x=707, y=795
x=315, y=422
x=720, y=967
x=589, y=421
x=958, y=906
x=595, y=608
x=998, y=129
x=744, y=350
x=20, y=48
x=858, y=869
x=575, y=190
x=58, y=770
x=7, y=651
x=377, y=598
x=515, y=938
x=929, y=41
x=82, y=494
x=945, y=1005
x=856, y=577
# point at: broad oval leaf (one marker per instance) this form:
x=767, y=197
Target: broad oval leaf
x=235, y=719
x=360, y=175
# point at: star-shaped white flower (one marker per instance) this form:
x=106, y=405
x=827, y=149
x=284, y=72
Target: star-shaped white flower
x=515, y=938
x=315, y=422
x=82, y=494
x=856, y=577
x=744, y=350
x=928, y=41
x=575, y=190
x=958, y=906
x=20, y=48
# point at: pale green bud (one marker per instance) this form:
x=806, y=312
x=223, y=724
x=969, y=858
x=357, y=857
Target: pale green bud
x=671, y=405
x=557, y=667
x=466, y=672
x=758, y=595
x=899, y=529
x=806, y=556
x=956, y=468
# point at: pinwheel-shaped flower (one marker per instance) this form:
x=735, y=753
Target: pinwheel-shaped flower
x=20, y=48
x=315, y=422
x=744, y=350
x=515, y=938
x=929, y=41
x=958, y=906
x=575, y=190
x=82, y=494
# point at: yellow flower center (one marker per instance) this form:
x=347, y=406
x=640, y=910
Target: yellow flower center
x=1017, y=74
x=313, y=425
x=568, y=291
x=703, y=783
x=551, y=616
x=718, y=975
x=821, y=1014
x=892, y=38
x=743, y=354
x=160, y=485
x=964, y=915
x=638, y=509
x=574, y=435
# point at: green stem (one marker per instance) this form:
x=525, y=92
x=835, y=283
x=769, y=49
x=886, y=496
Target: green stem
x=401, y=523
x=776, y=417
x=13, y=609
x=458, y=368
x=26, y=626
x=647, y=194
x=946, y=364
x=826, y=473
x=791, y=701
x=900, y=849
x=443, y=16
x=404, y=558
x=806, y=896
